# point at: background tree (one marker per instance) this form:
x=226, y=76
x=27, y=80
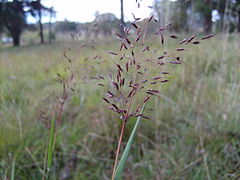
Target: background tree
x=106, y=23
x=229, y=13
x=235, y=12
x=162, y=10
x=220, y=7
x=122, y=19
x=36, y=10
x=205, y=8
x=179, y=16
x=1, y=19
x=13, y=17
x=174, y=11
x=51, y=34
x=238, y=13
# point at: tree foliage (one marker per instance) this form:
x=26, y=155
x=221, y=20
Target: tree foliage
x=13, y=17
x=36, y=8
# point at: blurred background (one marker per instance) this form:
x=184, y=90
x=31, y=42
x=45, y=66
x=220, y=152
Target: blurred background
x=30, y=22
x=193, y=131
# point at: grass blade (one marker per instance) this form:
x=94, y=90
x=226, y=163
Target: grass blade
x=126, y=151
x=13, y=169
x=51, y=145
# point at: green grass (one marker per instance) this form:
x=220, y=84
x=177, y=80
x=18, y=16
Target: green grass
x=201, y=102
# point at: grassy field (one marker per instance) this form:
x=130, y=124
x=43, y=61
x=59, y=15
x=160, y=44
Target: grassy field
x=193, y=132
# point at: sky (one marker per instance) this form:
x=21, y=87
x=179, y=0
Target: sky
x=84, y=10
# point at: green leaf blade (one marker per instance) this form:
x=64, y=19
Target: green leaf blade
x=122, y=162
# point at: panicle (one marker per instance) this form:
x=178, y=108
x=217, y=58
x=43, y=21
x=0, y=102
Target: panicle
x=140, y=67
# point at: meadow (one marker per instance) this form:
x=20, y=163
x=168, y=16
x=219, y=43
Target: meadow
x=192, y=133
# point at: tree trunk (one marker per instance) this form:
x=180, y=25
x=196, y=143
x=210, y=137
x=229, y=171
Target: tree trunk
x=16, y=39
x=40, y=26
x=238, y=25
x=122, y=20
x=207, y=24
x=50, y=27
x=221, y=29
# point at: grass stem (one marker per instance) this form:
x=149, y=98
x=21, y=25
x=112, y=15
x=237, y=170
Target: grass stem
x=121, y=136
x=118, y=148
